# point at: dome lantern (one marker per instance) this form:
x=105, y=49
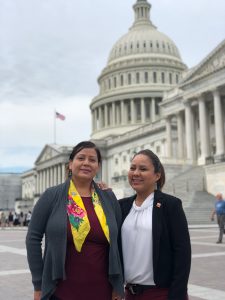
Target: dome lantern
x=142, y=13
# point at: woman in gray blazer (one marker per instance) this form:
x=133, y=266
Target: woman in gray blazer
x=155, y=248
x=80, y=224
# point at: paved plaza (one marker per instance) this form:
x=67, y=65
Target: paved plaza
x=207, y=280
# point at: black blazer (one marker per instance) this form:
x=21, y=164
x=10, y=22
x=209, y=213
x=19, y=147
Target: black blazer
x=171, y=243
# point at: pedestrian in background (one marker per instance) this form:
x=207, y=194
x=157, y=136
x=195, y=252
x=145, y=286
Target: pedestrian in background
x=156, y=247
x=3, y=220
x=219, y=210
x=10, y=219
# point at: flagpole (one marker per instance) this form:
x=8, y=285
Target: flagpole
x=54, y=128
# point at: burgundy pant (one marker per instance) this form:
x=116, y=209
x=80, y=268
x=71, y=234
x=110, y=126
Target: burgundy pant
x=150, y=294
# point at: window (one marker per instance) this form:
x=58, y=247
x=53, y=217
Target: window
x=121, y=80
x=138, y=110
x=137, y=78
x=129, y=78
x=177, y=78
x=146, y=77
x=109, y=82
x=212, y=119
x=170, y=78
x=115, y=82
x=147, y=109
x=163, y=77
x=154, y=77
x=116, y=161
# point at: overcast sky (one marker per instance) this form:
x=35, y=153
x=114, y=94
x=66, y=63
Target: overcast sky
x=52, y=51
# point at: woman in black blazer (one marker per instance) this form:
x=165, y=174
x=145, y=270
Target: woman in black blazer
x=155, y=242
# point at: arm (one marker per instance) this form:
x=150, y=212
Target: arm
x=181, y=248
x=34, y=238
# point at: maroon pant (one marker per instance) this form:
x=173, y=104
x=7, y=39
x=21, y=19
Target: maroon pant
x=150, y=294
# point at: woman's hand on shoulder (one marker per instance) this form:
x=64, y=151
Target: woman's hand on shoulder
x=103, y=186
x=37, y=295
x=115, y=296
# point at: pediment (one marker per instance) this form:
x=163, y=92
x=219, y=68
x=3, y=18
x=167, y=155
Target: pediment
x=213, y=62
x=47, y=153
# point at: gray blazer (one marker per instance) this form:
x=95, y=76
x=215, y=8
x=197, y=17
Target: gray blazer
x=49, y=218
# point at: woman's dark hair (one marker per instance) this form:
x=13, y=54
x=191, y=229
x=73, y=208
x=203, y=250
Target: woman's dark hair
x=84, y=145
x=158, y=167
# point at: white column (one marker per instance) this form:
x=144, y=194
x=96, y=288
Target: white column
x=55, y=174
x=122, y=112
x=49, y=176
x=96, y=118
x=143, y=110
x=218, y=116
x=92, y=120
x=100, y=117
x=38, y=183
x=204, y=130
x=106, y=114
x=63, y=172
x=152, y=109
x=59, y=174
x=180, y=135
x=113, y=114
x=169, y=137
x=132, y=110
x=189, y=131
x=44, y=181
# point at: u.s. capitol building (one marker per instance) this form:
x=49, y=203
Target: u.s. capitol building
x=148, y=98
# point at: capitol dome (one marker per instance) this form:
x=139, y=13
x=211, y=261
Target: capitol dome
x=142, y=65
x=143, y=37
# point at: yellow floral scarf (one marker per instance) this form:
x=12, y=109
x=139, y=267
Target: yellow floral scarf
x=78, y=218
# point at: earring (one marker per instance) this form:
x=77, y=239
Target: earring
x=70, y=173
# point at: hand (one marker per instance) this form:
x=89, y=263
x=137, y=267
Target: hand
x=102, y=185
x=115, y=296
x=37, y=295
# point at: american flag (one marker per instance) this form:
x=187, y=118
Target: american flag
x=60, y=116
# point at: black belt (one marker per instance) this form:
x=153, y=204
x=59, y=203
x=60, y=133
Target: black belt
x=137, y=289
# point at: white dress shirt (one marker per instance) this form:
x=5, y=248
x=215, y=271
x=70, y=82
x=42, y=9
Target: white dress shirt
x=137, y=243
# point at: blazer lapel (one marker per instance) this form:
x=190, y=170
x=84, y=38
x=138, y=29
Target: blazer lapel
x=156, y=225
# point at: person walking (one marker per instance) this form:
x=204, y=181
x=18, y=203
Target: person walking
x=3, y=220
x=155, y=243
x=80, y=223
x=219, y=210
x=10, y=219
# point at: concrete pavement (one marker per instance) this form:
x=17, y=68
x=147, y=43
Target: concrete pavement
x=207, y=279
